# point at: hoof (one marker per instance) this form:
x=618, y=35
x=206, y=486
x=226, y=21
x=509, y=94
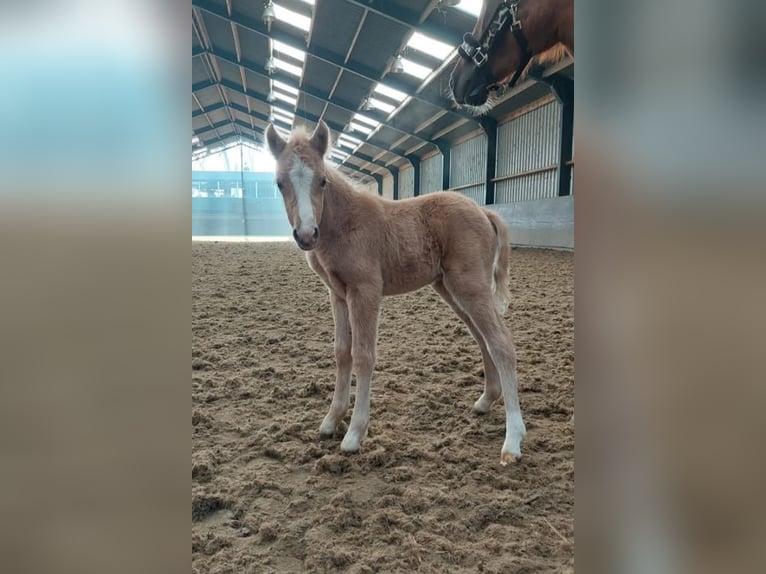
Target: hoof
x=507, y=458
x=352, y=441
x=325, y=432
x=349, y=448
x=482, y=406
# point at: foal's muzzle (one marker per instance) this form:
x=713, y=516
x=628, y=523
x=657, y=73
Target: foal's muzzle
x=306, y=237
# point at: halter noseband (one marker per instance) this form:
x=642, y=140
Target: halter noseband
x=477, y=51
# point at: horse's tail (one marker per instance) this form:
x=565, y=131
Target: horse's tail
x=500, y=268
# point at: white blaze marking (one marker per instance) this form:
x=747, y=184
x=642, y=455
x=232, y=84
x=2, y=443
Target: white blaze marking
x=301, y=175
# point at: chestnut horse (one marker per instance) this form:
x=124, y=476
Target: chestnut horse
x=507, y=36
x=364, y=247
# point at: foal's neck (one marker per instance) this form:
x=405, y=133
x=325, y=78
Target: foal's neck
x=339, y=198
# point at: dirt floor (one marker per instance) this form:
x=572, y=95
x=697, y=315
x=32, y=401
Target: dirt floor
x=427, y=492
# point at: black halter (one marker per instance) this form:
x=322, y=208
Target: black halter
x=477, y=51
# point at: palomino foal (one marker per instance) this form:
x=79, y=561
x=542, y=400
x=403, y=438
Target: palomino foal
x=364, y=248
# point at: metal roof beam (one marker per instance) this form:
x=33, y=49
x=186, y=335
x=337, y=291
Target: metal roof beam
x=309, y=117
x=409, y=19
x=242, y=109
x=290, y=80
x=209, y=109
x=258, y=27
x=256, y=96
x=219, y=125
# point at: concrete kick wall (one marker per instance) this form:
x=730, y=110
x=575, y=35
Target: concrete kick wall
x=541, y=222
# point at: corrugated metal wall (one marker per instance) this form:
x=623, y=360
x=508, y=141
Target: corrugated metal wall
x=406, y=182
x=431, y=174
x=524, y=144
x=468, y=163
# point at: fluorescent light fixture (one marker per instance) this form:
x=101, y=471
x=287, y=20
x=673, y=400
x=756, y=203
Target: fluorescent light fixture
x=292, y=18
x=195, y=140
x=389, y=92
x=472, y=7
x=285, y=98
x=285, y=113
x=366, y=120
x=347, y=144
x=341, y=155
x=283, y=48
x=381, y=105
x=429, y=46
x=349, y=138
x=287, y=67
x=415, y=69
x=360, y=128
x=285, y=87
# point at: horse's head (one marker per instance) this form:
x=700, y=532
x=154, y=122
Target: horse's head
x=489, y=56
x=302, y=179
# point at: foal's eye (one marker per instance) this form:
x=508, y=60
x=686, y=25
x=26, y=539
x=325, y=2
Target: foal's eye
x=323, y=182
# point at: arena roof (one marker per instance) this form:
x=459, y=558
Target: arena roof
x=333, y=61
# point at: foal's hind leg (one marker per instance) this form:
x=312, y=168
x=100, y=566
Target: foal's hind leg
x=491, y=378
x=475, y=299
x=340, y=397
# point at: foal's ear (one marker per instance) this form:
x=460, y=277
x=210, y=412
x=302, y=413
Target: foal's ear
x=276, y=143
x=320, y=139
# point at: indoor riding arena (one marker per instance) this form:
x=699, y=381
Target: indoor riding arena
x=426, y=492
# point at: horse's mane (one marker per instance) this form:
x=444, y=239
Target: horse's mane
x=551, y=56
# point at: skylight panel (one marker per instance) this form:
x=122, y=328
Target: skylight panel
x=429, y=46
x=283, y=48
x=415, y=69
x=366, y=120
x=472, y=7
x=392, y=93
x=381, y=105
x=292, y=18
x=289, y=68
x=360, y=128
x=285, y=87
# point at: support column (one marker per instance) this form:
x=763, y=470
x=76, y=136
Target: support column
x=379, y=179
x=395, y=174
x=490, y=128
x=563, y=89
x=415, y=161
x=446, y=150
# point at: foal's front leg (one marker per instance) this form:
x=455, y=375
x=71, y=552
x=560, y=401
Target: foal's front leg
x=340, y=397
x=363, y=306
